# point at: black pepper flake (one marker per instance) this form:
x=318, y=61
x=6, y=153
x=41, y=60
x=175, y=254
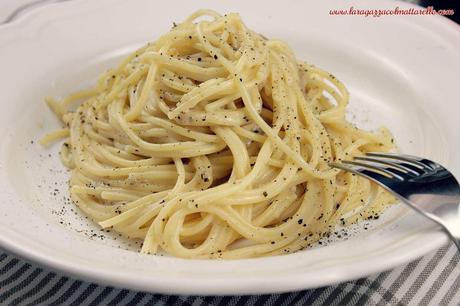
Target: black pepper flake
x=265, y=194
x=199, y=59
x=300, y=221
x=215, y=56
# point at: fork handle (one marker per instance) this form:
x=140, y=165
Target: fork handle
x=451, y=226
x=455, y=240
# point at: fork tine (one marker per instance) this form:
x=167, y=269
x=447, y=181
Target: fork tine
x=398, y=164
x=390, y=172
x=378, y=178
x=417, y=161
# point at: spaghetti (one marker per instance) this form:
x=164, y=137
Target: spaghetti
x=214, y=142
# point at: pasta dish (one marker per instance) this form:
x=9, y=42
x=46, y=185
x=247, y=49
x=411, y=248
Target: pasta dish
x=214, y=142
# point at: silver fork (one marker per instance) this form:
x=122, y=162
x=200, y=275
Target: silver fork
x=424, y=185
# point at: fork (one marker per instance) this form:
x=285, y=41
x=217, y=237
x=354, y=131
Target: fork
x=424, y=185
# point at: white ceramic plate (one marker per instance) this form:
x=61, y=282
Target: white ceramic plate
x=402, y=72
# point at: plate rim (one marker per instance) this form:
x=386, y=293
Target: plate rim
x=216, y=286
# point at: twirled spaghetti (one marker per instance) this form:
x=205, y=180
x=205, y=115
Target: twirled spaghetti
x=214, y=142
